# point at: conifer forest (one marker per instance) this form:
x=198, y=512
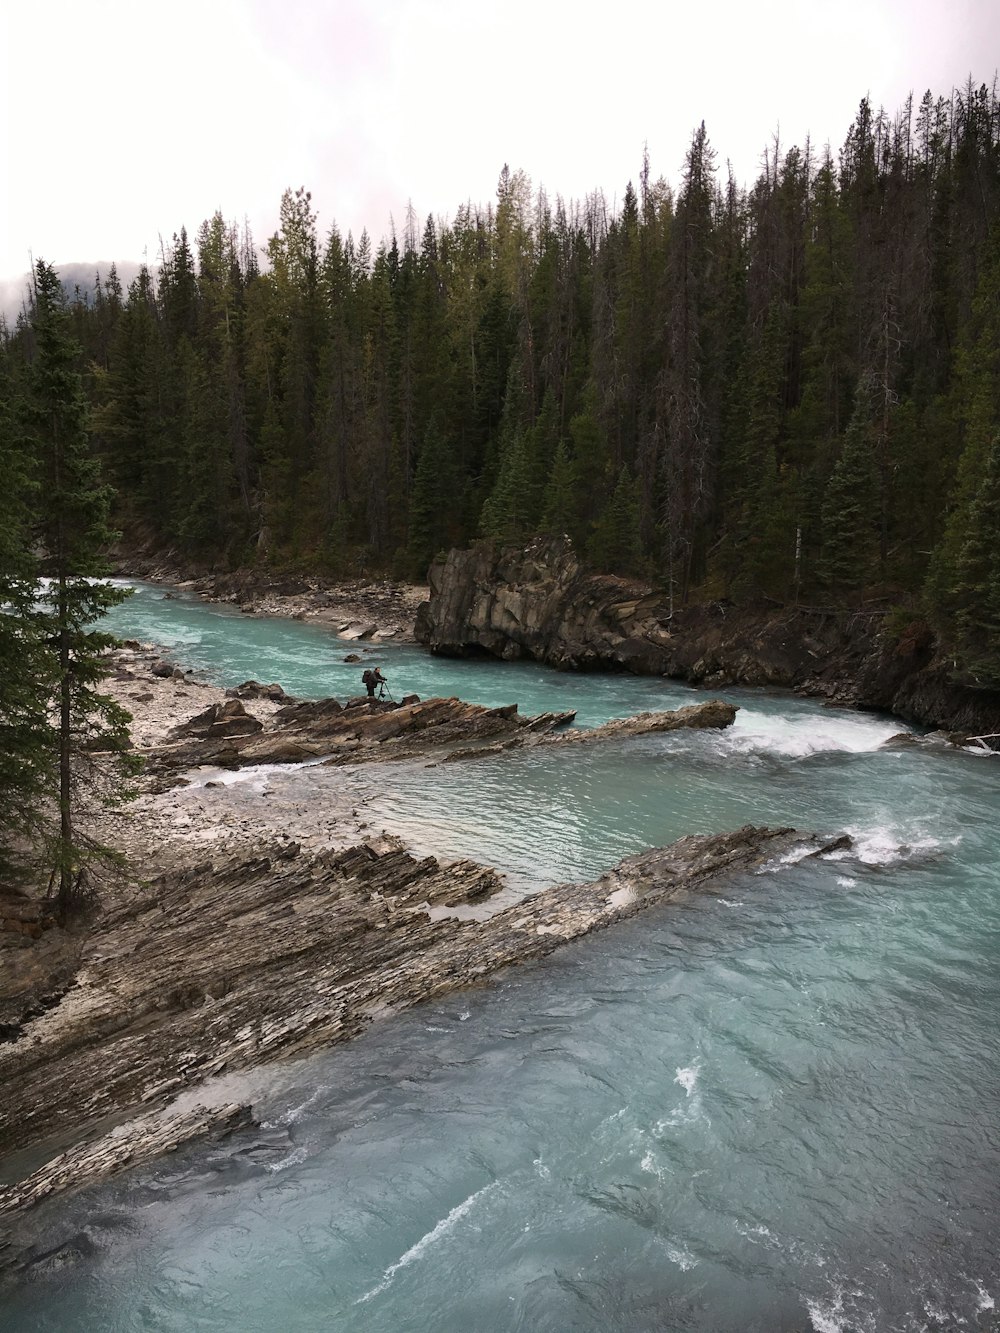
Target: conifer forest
x=786, y=392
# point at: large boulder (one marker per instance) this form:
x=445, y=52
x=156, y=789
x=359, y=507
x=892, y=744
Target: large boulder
x=219, y=722
x=540, y=602
x=255, y=689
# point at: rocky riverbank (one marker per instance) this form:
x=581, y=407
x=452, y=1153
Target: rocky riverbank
x=377, y=609
x=540, y=602
x=316, y=947
x=259, y=920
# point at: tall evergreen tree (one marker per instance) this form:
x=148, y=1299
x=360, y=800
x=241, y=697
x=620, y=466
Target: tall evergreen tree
x=72, y=531
x=27, y=752
x=976, y=595
x=850, y=505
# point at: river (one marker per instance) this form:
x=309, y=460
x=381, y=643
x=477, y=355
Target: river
x=770, y=1108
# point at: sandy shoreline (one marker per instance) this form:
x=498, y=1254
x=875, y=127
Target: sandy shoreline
x=217, y=813
x=384, y=609
x=212, y=812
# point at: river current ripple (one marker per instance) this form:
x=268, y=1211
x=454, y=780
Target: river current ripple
x=771, y=1108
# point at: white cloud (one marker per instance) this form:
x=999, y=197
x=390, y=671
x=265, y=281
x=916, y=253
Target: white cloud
x=133, y=118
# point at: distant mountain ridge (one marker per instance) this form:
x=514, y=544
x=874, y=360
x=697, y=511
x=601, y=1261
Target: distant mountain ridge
x=82, y=275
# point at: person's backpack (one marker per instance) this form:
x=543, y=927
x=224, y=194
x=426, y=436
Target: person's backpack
x=368, y=678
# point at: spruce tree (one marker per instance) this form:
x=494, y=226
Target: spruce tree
x=432, y=500
x=614, y=544
x=848, y=515
x=976, y=595
x=26, y=735
x=72, y=531
x=507, y=512
x=559, y=507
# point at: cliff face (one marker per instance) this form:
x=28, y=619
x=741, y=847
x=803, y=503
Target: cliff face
x=539, y=602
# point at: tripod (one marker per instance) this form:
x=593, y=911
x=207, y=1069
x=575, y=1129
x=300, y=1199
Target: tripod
x=384, y=693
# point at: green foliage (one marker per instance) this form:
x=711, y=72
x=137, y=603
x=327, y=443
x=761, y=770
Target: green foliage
x=432, y=501
x=614, y=543
x=975, y=594
x=27, y=754
x=507, y=513
x=789, y=391
x=70, y=526
x=560, y=494
x=848, y=514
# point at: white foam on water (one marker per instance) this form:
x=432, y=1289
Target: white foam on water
x=256, y=775
x=759, y=1234
x=687, y=1077
x=682, y=1257
x=652, y=1167
x=886, y=845
x=690, y=1109
x=985, y=1300
x=795, y=737
x=293, y=1159
x=879, y=845
x=425, y=1242
x=941, y=1316
x=295, y=1113
x=830, y=1316
x=756, y=1233
x=799, y=852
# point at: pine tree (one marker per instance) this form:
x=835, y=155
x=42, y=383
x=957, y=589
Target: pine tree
x=976, y=596
x=72, y=530
x=849, y=505
x=26, y=738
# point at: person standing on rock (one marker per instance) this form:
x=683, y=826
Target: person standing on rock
x=373, y=680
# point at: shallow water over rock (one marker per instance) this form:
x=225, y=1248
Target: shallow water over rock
x=768, y=1108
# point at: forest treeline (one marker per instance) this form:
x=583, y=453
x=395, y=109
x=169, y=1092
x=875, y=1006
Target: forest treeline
x=790, y=391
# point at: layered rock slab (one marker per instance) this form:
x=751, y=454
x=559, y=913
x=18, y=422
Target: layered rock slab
x=359, y=731
x=364, y=731
x=228, y=967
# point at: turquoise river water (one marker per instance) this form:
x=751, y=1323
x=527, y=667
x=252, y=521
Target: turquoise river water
x=770, y=1108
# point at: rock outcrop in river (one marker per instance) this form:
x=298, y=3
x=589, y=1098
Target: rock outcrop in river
x=366, y=731
x=540, y=602
x=225, y=967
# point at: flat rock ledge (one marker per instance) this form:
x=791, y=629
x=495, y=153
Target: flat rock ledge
x=228, y=967
x=365, y=731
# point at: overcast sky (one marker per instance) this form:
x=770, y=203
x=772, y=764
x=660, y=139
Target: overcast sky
x=127, y=119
